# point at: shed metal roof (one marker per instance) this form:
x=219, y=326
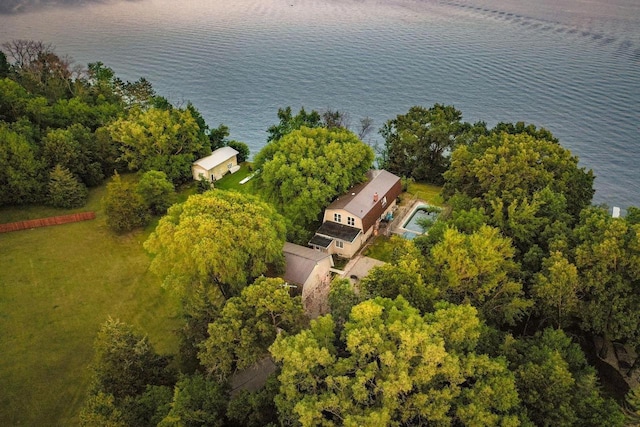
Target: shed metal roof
x=217, y=157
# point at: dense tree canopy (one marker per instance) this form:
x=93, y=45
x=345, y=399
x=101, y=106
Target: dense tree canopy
x=217, y=241
x=508, y=170
x=156, y=191
x=418, y=144
x=289, y=122
x=478, y=269
x=125, y=208
x=167, y=140
x=125, y=362
x=248, y=325
x=396, y=368
x=302, y=172
x=555, y=383
x=607, y=257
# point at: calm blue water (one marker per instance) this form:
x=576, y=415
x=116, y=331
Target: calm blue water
x=572, y=66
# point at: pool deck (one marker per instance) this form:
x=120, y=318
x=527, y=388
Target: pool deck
x=401, y=216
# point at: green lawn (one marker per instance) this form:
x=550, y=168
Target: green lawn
x=428, y=192
x=232, y=181
x=57, y=286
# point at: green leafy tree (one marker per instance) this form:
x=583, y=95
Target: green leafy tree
x=607, y=257
x=100, y=410
x=4, y=65
x=289, y=122
x=418, y=144
x=342, y=298
x=557, y=290
x=248, y=325
x=197, y=401
x=505, y=171
x=76, y=149
x=217, y=241
x=242, y=149
x=478, y=269
x=124, y=207
x=203, y=185
x=255, y=408
x=157, y=191
x=157, y=139
x=397, y=368
x=64, y=190
x=403, y=278
x=522, y=127
x=13, y=100
x=302, y=172
x=218, y=137
x=556, y=384
x=20, y=180
x=149, y=408
x=125, y=362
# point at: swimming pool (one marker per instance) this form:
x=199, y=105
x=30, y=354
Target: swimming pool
x=411, y=227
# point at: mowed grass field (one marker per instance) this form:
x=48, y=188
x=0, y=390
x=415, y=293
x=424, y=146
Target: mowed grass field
x=57, y=286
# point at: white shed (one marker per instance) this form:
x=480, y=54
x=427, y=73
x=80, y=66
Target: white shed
x=222, y=161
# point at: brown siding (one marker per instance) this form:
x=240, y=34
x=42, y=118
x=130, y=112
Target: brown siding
x=372, y=216
x=45, y=222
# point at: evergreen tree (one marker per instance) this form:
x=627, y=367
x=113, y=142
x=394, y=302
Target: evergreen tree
x=64, y=190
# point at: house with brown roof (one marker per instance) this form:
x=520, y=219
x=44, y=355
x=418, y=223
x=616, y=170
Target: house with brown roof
x=309, y=270
x=356, y=215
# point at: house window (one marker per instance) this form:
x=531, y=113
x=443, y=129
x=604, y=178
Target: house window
x=384, y=201
x=351, y=221
x=337, y=217
x=339, y=244
x=230, y=165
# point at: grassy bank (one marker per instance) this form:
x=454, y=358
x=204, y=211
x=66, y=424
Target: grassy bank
x=57, y=286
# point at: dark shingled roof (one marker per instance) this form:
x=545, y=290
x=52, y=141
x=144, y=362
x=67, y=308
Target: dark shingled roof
x=338, y=231
x=300, y=262
x=323, y=242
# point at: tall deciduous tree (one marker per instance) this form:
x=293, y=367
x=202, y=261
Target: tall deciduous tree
x=289, y=122
x=20, y=171
x=160, y=139
x=124, y=207
x=302, y=172
x=418, y=144
x=197, y=401
x=512, y=168
x=396, y=368
x=479, y=269
x=557, y=290
x=555, y=383
x=156, y=191
x=125, y=362
x=217, y=241
x=403, y=278
x=608, y=260
x=248, y=325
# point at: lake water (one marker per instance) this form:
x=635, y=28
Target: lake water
x=572, y=66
